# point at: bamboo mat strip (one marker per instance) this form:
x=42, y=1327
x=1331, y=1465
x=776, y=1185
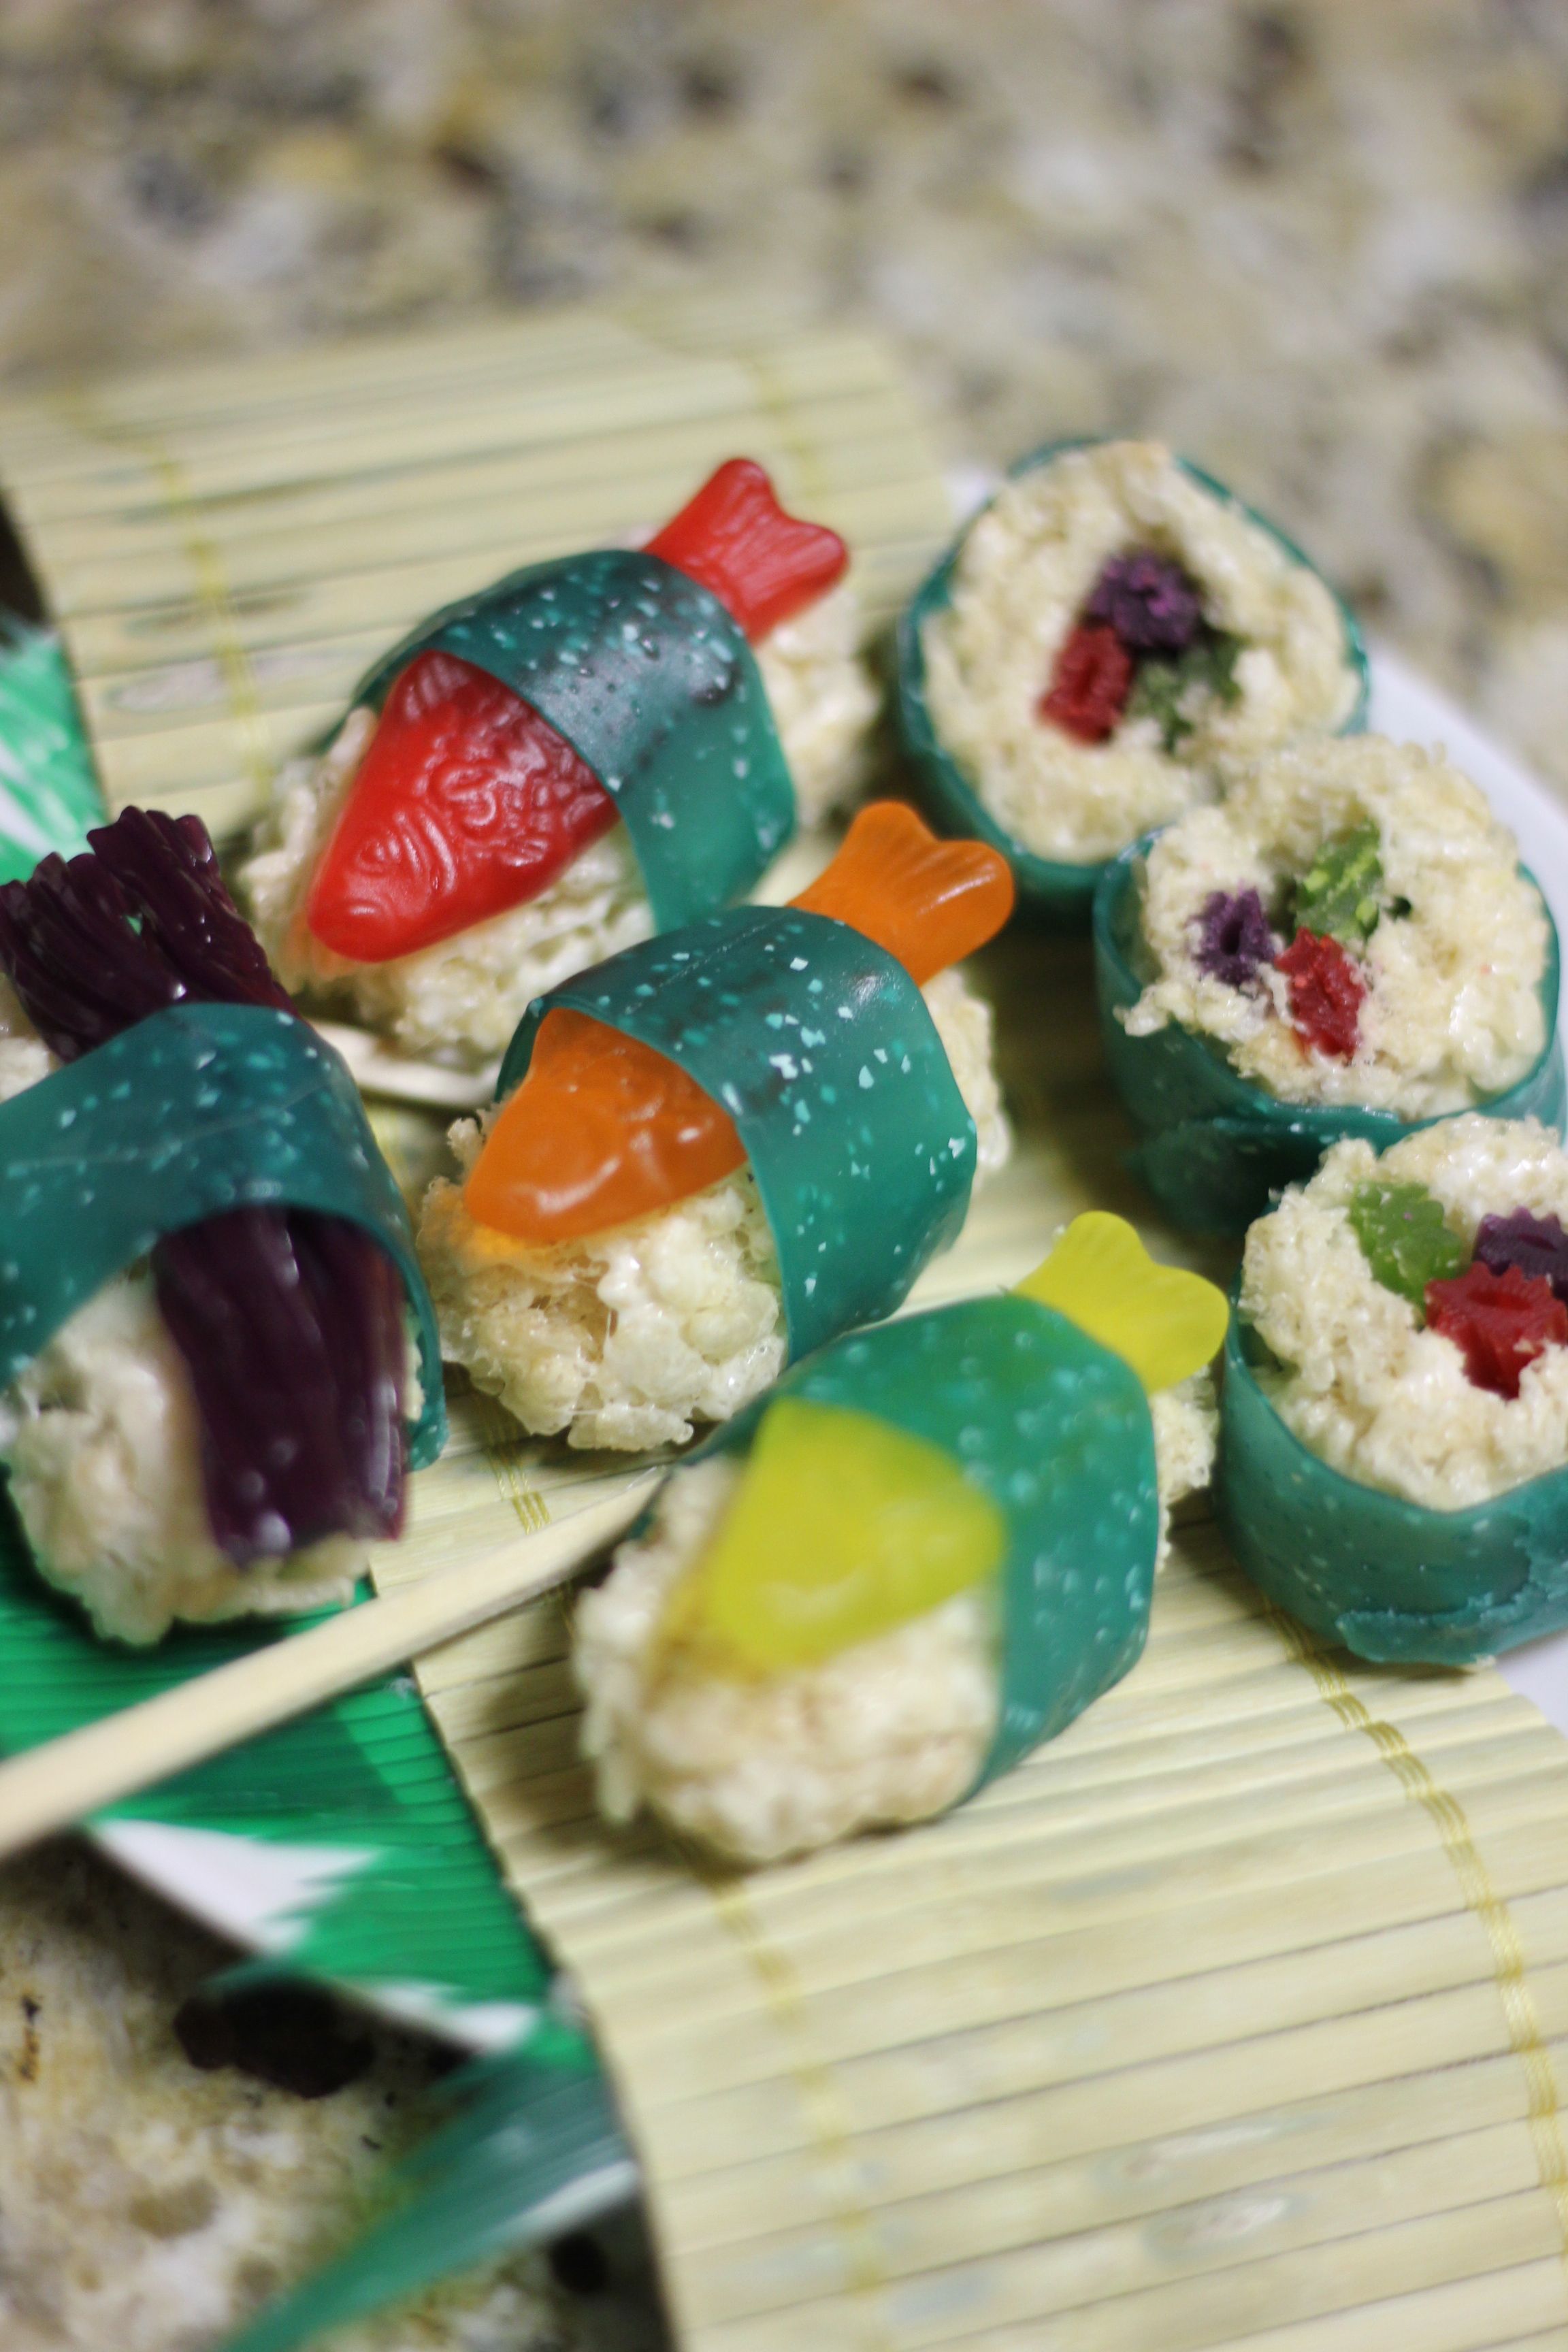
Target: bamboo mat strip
x=227, y=551
x=1238, y=2015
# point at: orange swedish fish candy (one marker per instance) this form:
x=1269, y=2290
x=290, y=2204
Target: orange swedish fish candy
x=603, y=1129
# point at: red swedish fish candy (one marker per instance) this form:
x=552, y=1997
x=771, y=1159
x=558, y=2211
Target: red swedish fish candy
x=1090, y=683
x=468, y=802
x=465, y=803
x=1326, y=993
x=603, y=1129
x=1498, y=1322
x=736, y=540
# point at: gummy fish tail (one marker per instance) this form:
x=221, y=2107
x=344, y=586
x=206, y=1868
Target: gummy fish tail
x=737, y=542
x=929, y=902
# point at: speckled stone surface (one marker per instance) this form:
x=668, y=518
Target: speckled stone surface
x=1322, y=247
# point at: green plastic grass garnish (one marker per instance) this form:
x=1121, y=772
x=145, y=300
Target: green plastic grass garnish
x=1403, y=1238
x=1340, y=894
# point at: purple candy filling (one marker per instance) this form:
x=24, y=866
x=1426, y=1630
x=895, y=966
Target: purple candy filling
x=1537, y=1245
x=291, y=1324
x=1149, y=600
x=1234, y=937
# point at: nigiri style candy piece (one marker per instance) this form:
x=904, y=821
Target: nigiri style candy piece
x=514, y=729
x=1404, y=1237
x=843, y=1526
x=1162, y=1321
x=924, y=1551
x=280, y=1255
x=604, y=1127
x=1113, y=633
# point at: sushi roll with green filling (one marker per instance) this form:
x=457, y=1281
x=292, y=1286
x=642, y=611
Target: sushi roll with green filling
x=721, y=1148
x=1394, y=1460
x=592, y=751
x=1345, y=945
x=924, y=1552
x=217, y=1358
x=1110, y=636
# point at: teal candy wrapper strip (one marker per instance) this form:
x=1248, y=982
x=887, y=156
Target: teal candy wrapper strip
x=1056, y=889
x=1370, y=1571
x=49, y=792
x=1214, y=1147
x=197, y=1109
x=1056, y=1432
x=652, y=683
x=819, y=1045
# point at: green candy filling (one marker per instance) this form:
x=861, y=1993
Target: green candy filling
x=1340, y=894
x=1403, y=1238
x=1169, y=691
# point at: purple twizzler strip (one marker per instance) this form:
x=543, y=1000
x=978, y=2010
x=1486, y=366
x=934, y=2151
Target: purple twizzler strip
x=1537, y=1245
x=1149, y=600
x=291, y=1324
x=1234, y=937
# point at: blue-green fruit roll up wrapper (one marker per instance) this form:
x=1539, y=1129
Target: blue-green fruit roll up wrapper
x=820, y=1047
x=1374, y=1572
x=1056, y=890
x=1214, y=1148
x=1056, y=1430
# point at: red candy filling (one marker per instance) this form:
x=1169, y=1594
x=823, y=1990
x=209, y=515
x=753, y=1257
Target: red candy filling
x=1090, y=684
x=1499, y=1322
x=468, y=802
x=1326, y=993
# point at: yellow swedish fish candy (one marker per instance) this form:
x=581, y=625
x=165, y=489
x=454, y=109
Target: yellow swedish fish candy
x=842, y=1526
x=1162, y=1320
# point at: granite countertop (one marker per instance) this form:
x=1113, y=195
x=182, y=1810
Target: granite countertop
x=1323, y=248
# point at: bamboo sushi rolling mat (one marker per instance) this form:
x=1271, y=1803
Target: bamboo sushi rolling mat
x=1236, y=2015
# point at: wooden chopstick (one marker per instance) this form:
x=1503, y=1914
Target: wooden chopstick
x=53, y=1785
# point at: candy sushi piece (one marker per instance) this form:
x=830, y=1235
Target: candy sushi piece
x=592, y=751
x=920, y=1554
x=218, y=1352
x=1346, y=944
x=721, y=1150
x=1102, y=646
x=1399, y=1369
